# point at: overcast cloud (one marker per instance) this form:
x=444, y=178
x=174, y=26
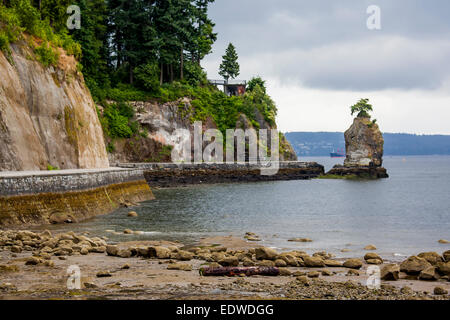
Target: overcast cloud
x=318, y=56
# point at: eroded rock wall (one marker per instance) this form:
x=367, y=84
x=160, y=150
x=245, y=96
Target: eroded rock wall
x=47, y=115
x=161, y=120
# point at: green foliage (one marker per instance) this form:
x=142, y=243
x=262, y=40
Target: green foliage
x=20, y=17
x=10, y=29
x=372, y=123
x=256, y=81
x=147, y=76
x=46, y=54
x=362, y=108
x=51, y=168
x=258, y=98
x=229, y=68
x=194, y=74
x=29, y=17
x=117, y=124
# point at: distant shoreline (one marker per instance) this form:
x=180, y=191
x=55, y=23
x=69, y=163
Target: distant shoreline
x=313, y=144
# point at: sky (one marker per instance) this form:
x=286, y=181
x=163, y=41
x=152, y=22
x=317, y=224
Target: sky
x=318, y=58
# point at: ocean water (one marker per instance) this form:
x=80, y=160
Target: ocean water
x=403, y=215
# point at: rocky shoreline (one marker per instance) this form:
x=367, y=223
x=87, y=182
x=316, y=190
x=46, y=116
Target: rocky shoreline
x=35, y=265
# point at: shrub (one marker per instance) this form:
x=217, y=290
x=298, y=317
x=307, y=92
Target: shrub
x=46, y=54
x=10, y=29
x=147, y=77
x=194, y=74
x=117, y=124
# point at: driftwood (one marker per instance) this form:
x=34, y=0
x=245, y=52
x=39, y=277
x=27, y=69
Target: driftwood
x=236, y=271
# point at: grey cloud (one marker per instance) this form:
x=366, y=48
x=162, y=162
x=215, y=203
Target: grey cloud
x=325, y=44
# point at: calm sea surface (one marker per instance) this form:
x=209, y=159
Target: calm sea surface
x=405, y=214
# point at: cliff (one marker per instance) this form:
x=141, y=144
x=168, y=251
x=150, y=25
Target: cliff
x=47, y=115
x=159, y=121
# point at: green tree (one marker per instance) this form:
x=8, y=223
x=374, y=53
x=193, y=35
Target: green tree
x=229, y=68
x=93, y=39
x=256, y=81
x=362, y=108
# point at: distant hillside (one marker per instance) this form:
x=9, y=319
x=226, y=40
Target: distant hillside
x=322, y=143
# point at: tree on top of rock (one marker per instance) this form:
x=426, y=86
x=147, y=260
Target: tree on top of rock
x=362, y=108
x=229, y=68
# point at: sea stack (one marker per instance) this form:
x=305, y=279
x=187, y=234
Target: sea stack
x=364, y=150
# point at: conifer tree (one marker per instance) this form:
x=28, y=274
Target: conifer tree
x=229, y=68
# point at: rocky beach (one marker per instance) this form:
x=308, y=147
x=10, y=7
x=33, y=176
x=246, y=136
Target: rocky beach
x=37, y=266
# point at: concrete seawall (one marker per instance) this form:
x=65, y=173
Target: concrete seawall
x=67, y=195
x=172, y=174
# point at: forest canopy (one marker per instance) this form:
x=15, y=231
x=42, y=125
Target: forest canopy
x=141, y=42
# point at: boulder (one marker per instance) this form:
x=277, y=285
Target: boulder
x=440, y=291
x=246, y=262
x=300, y=240
x=446, y=256
x=280, y=263
x=124, y=253
x=112, y=250
x=142, y=252
x=289, y=259
x=132, y=214
x=103, y=274
x=314, y=262
x=443, y=268
x=313, y=274
x=179, y=266
x=374, y=261
x=231, y=261
x=184, y=255
x=128, y=231
x=32, y=261
x=284, y=272
x=353, y=264
x=264, y=253
x=414, y=265
x=352, y=272
x=372, y=255
x=390, y=272
x=431, y=257
x=332, y=263
x=160, y=252
x=266, y=263
x=429, y=274
x=326, y=272
x=443, y=241
x=370, y=247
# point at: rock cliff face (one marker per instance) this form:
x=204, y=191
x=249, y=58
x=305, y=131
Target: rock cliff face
x=161, y=120
x=47, y=115
x=364, y=151
x=363, y=144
